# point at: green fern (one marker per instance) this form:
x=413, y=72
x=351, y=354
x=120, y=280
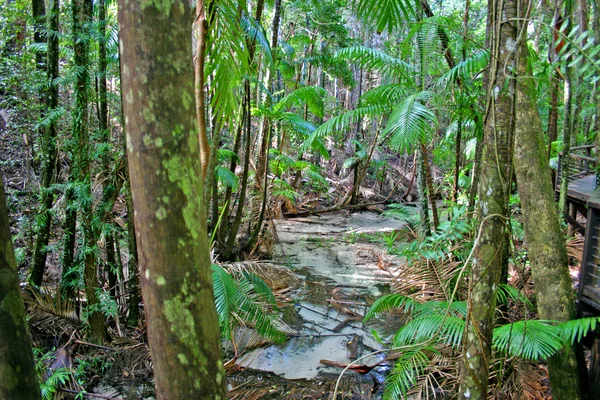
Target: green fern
x=411, y=363
x=376, y=60
x=410, y=121
x=390, y=302
x=428, y=327
x=573, y=331
x=531, y=340
x=386, y=14
x=242, y=302
x=226, y=176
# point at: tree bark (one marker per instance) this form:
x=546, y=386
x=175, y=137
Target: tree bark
x=488, y=256
x=164, y=165
x=18, y=379
x=49, y=152
x=567, y=120
x=199, y=91
x=545, y=242
x=38, y=9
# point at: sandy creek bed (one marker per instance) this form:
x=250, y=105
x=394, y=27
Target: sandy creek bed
x=339, y=275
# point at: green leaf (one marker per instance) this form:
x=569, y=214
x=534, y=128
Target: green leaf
x=410, y=121
x=528, y=339
x=225, y=175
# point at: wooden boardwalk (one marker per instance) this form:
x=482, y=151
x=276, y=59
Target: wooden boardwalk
x=581, y=189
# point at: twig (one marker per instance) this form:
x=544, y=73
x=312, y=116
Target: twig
x=91, y=394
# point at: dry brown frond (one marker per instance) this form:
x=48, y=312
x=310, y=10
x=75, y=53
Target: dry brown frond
x=51, y=314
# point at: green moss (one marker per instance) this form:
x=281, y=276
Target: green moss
x=11, y=305
x=182, y=359
x=161, y=213
x=10, y=378
x=161, y=281
x=181, y=172
x=163, y=6
x=187, y=99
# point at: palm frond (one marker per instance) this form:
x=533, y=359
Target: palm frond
x=312, y=96
x=528, y=339
x=386, y=14
x=237, y=303
x=441, y=328
x=385, y=94
x=573, y=331
x=256, y=33
x=465, y=69
x=227, y=60
x=408, y=366
x=390, y=302
x=342, y=122
x=225, y=175
x=376, y=60
x=410, y=121
x=506, y=292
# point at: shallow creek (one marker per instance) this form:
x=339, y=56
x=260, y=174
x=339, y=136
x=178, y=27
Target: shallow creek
x=339, y=276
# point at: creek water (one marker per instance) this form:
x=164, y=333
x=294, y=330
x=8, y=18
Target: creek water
x=337, y=258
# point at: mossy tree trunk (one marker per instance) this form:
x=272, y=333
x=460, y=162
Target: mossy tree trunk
x=18, y=380
x=545, y=242
x=49, y=152
x=164, y=166
x=567, y=120
x=38, y=10
x=82, y=18
x=489, y=254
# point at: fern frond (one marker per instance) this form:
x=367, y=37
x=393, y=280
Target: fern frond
x=528, y=339
x=386, y=14
x=410, y=121
x=442, y=329
x=376, y=60
x=411, y=363
x=390, y=302
x=573, y=331
x=465, y=69
x=312, y=96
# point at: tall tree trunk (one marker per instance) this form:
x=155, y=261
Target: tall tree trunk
x=132, y=265
x=38, y=9
x=430, y=191
x=422, y=189
x=18, y=378
x=82, y=18
x=199, y=91
x=567, y=120
x=476, y=173
x=545, y=242
x=262, y=169
x=457, y=160
x=492, y=207
x=49, y=152
x=164, y=164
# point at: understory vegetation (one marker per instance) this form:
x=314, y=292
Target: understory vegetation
x=150, y=151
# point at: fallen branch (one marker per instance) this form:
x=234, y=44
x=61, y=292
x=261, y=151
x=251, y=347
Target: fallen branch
x=99, y=396
x=362, y=369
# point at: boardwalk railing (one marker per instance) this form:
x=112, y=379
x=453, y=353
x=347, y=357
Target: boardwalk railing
x=582, y=163
x=589, y=276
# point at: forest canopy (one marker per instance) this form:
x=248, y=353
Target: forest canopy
x=299, y=199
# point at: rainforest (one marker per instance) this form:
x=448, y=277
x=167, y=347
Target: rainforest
x=299, y=199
